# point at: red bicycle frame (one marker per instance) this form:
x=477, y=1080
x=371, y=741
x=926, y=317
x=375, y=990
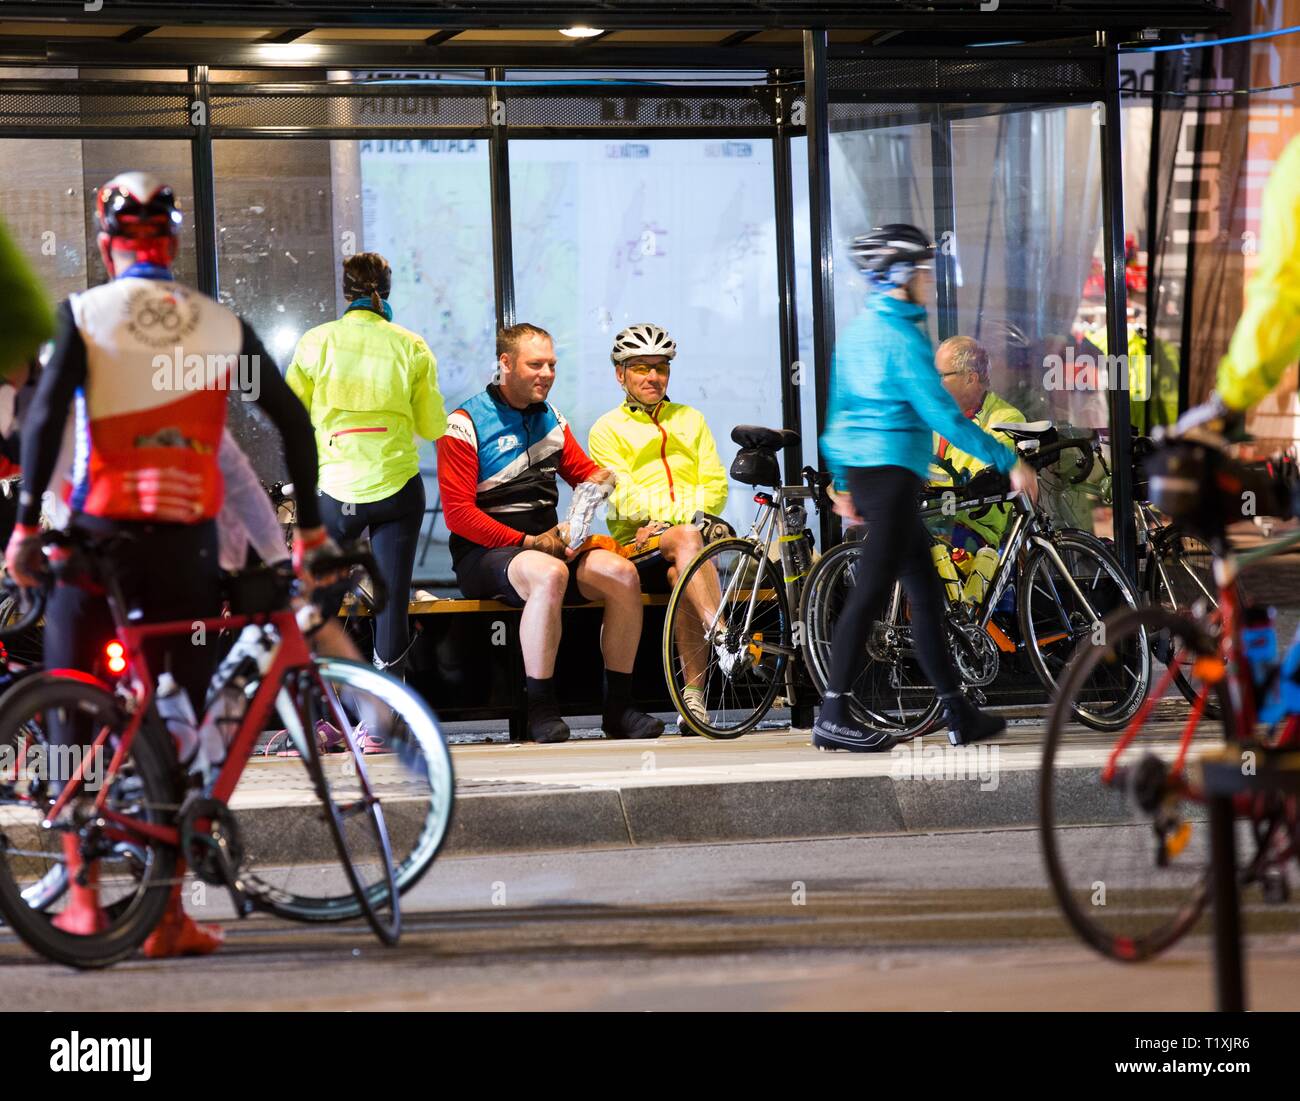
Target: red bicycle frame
x=292, y=653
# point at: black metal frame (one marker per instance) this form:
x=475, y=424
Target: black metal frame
x=922, y=89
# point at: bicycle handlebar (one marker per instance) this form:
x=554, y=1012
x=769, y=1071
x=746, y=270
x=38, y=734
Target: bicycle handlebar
x=1045, y=456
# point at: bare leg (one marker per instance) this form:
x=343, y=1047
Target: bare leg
x=603, y=575
x=541, y=581
x=679, y=545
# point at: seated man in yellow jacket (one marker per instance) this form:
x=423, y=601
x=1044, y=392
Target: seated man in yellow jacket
x=668, y=470
x=963, y=365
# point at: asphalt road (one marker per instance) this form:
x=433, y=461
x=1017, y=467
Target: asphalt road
x=930, y=921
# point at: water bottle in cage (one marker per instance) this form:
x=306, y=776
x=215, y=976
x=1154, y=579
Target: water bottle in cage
x=796, y=543
x=248, y=659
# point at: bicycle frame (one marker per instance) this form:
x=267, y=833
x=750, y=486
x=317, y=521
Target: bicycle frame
x=1228, y=665
x=292, y=654
x=769, y=520
x=1022, y=534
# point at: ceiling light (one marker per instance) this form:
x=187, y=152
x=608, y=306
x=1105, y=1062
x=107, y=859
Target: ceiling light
x=580, y=32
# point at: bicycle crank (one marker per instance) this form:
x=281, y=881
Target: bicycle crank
x=212, y=847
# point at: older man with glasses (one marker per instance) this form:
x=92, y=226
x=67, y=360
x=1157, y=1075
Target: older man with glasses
x=668, y=470
x=963, y=366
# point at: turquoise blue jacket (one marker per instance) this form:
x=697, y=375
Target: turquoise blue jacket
x=887, y=399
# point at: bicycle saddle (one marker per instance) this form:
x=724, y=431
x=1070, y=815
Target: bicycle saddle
x=767, y=439
x=1025, y=430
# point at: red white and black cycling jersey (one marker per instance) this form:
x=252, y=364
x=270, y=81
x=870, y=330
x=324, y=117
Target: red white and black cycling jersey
x=497, y=467
x=150, y=364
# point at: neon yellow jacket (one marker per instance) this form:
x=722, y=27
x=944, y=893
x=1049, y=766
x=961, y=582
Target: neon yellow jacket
x=370, y=387
x=995, y=410
x=1267, y=338
x=666, y=462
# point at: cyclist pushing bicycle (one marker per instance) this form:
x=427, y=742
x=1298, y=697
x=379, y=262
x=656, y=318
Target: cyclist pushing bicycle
x=886, y=401
x=146, y=465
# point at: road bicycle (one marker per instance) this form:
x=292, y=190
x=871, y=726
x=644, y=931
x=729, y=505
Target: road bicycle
x=728, y=630
x=378, y=819
x=1175, y=567
x=1065, y=581
x=1126, y=844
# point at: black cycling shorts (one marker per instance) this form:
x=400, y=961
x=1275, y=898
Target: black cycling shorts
x=483, y=575
x=653, y=571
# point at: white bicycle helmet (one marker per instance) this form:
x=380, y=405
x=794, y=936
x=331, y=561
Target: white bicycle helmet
x=642, y=340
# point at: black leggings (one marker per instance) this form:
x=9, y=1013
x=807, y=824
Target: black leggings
x=394, y=525
x=897, y=547
x=169, y=572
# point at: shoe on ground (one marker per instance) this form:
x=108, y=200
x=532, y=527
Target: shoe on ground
x=281, y=745
x=547, y=728
x=846, y=734
x=693, y=698
x=82, y=916
x=368, y=742
x=632, y=725
x=968, y=724
x=178, y=934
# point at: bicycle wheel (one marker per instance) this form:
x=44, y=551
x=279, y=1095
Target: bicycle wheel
x=1180, y=573
x=1127, y=856
x=729, y=656
x=22, y=624
x=289, y=858
x=135, y=875
x=891, y=693
x=1063, y=599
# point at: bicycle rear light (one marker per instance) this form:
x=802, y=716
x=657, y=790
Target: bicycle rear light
x=115, y=654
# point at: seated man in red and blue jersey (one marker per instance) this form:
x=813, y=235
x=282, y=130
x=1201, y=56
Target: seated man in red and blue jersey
x=497, y=466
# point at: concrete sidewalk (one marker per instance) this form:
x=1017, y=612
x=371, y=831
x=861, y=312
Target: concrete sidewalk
x=592, y=793
x=600, y=794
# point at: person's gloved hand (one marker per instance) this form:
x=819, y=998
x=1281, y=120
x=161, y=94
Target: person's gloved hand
x=554, y=542
x=310, y=545
x=24, y=558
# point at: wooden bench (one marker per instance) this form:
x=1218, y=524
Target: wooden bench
x=466, y=659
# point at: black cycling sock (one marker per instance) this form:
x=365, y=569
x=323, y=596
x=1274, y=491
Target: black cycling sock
x=541, y=695
x=618, y=693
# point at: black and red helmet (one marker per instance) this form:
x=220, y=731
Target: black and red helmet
x=137, y=212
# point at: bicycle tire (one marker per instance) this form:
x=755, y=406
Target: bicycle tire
x=149, y=771
x=1127, y=946
x=430, y=833
x=814, y=615
x=1106, y=718
x=738, y=650
x=17, y=619
x=1160, y=594
x=372, y=898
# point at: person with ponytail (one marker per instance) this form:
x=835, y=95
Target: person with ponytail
x=371, y=387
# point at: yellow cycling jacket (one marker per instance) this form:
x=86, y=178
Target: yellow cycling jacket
x=667, y=466
x=1267, y=338
x=370, y=387
x=994, y=410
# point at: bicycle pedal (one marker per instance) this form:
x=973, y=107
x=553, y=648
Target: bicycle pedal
x=1276, y=888
x=1176, y=842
